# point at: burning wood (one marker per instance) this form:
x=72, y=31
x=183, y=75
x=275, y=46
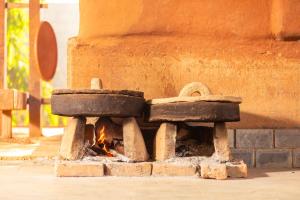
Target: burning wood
x=104, y=137
x=112, y=130
x=102, y=143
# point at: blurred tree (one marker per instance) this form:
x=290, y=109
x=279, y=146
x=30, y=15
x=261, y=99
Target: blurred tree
x=18, y=65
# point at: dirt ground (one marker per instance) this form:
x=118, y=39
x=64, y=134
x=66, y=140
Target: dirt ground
x=36, y=180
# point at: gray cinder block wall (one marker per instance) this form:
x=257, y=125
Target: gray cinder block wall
x=266, y=147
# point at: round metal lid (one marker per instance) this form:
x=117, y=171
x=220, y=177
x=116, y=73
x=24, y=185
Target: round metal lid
x=46, y=51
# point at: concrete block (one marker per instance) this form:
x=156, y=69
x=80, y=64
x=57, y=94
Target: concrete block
x=173, y=169
x=296, y=158
x=128, y=169
x=231, y=138
x=247, y=155
x=254, y=138
x=79, y=169
x=269, y=158
x=287, y=138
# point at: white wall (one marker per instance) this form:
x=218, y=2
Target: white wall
x=64, y=17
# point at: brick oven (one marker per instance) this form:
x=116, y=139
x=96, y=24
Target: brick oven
x=237, y=48
x=118, y=133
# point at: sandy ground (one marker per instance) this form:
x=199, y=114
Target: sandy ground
x=35, y=180
x=32, y=180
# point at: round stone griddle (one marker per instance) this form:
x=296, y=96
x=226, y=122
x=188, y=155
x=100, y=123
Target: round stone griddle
x=94, y=103
x=200, y=111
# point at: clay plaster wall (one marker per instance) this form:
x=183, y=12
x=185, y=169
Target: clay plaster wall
x=247, y=18
x=159, y=46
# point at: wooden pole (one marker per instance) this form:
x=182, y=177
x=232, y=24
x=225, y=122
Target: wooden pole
x=3, y=120
x=34, y=80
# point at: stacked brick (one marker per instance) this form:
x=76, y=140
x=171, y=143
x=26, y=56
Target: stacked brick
x=266, y=147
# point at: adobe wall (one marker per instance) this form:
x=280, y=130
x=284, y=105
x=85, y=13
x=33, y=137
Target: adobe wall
x=159, y=46
x=247, y=18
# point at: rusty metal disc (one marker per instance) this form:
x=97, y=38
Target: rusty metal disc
x=46, y=51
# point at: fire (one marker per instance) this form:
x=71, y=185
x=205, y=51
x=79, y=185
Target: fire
x=102, y=143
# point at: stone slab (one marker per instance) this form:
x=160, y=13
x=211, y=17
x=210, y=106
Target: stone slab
x=237, y=169
x=254, y=138
x=287, y=138
x=209, y=98
x=79, y=169
x=211, y=170
x=95, y=105
x=246, y=155
x=97, y=91
x=173, y=169
x=296, y=158
x=274, y=158
x=201, y=111
x=128, y=169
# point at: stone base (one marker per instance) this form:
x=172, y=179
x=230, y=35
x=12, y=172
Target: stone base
x=128, y=169
x=204, y=168
x=79, y=169
x=172, y=169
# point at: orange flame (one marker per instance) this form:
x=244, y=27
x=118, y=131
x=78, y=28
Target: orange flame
x=103, y=143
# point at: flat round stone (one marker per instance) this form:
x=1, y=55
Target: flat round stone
x=210, y=98
x=201, y=111
x=98, y=91
x=97, y=104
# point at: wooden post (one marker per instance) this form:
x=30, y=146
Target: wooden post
x=2, y=55
x=34, y=80
x=6, y=124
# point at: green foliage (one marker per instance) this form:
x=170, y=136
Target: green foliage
x=17, y=48
x=18, y=65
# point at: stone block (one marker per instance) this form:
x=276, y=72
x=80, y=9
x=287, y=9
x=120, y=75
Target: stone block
x=274, y=158
x=254, y=138
x=134, y=144
x=72, y=143
x=128, y=169
x=237, y=169
x=213, y=170
x=222, y=151
x=173, y=169
x=79, y=169
x=165, y=141
x=231, y=138
x=296, y=158
x=246, y=155
x=287, y=138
